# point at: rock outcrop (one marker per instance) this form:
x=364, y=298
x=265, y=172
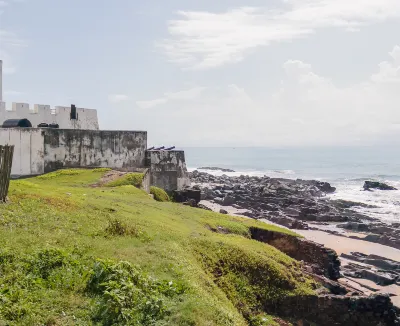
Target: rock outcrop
x=284, y=201
x=368, y=185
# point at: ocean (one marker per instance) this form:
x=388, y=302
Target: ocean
x=344, y=168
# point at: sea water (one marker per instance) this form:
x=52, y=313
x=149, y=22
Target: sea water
x=344, y=168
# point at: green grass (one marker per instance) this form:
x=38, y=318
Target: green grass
x=72, y=254
x=134, y=179
x=159, y=194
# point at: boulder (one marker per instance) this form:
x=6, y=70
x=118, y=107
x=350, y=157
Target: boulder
x=223, y=211
x=228, y=200
x=368, y=185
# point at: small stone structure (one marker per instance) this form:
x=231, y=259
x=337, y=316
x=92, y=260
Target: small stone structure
x=168, y=169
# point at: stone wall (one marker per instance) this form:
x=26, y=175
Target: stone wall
x=324, y=260
x=330, y=310
x=168, y=169
x=42, y=113
x=65, y=148
x=38, y=151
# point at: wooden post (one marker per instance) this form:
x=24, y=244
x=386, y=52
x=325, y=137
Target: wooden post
x=6, y=158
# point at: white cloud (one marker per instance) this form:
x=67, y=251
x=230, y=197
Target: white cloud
x=117, y=98
x=200, y=39
x=307, y=109
x=184, y=95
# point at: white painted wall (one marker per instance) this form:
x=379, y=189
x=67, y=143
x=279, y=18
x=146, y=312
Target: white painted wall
x=87, y=118
x=28, y=151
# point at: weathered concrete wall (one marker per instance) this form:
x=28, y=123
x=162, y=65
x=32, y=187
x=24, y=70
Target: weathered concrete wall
x=87, y=118
x=146, y=181
x=64, y=148
x=28, y=151
x=168, y=169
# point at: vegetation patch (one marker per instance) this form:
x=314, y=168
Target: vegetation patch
x=127, y=296
x=31, y=282
x=251, y=277
x=134, y=179
x=101, y=170
x=58, y=173
x=116, y=227
x=159, y=194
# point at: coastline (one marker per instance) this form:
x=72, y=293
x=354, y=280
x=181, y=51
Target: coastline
x=346, y=242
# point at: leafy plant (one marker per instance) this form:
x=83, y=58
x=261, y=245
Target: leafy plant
x=127, y=296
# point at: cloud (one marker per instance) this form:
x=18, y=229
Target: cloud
x=389, y=71
x=305, y=109
x=201, y=39
x=184, y=95
x=117, y=98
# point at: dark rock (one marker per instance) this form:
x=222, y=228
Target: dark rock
x=228, y=200
x=368, y=185
x=354, y=226
x=223, y=211
x=204, y=207
x=213, y=168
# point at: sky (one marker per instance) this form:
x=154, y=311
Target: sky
x=272, y=73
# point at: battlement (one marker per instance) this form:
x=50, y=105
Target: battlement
x=43, y=113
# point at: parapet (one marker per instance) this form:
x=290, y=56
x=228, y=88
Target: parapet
x=43, y=113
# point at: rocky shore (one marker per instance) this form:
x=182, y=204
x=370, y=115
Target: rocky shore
x=297, y=204
x=306, y=205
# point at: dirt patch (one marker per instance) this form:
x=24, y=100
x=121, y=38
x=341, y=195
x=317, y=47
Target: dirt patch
x=108, y=177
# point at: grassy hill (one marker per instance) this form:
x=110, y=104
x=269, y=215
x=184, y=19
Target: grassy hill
x=74, y=254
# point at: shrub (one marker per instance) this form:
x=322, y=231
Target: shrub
x=58, y=173
x=101, y=170
x=159, y=194
x=127, y=296
x=134, y=179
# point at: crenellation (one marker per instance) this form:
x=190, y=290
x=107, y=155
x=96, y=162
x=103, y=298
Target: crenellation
x=44, y=113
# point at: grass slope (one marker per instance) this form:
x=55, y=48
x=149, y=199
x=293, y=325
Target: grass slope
x=71, y=254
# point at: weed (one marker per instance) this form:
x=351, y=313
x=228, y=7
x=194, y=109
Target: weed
x=159, y=194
